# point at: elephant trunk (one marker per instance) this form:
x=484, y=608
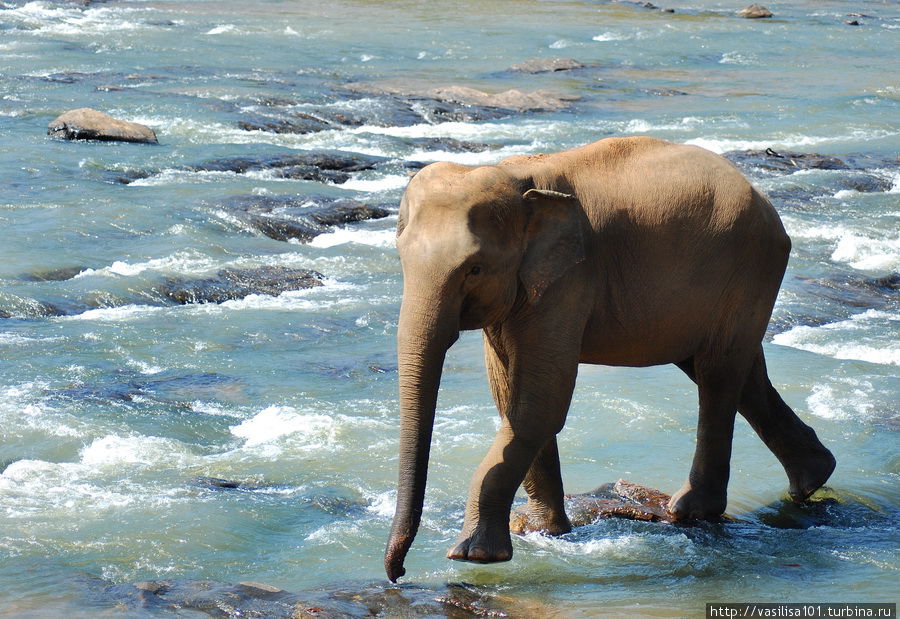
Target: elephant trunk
x=427, y=328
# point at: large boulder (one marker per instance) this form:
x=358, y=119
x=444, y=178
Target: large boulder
x=755, y=11
x=89, y=124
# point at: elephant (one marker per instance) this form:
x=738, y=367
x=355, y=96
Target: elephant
x=630, y=251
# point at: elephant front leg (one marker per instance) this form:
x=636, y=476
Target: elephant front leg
x=528, y=428
x=545, y=511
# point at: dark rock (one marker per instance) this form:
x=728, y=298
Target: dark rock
x=294, y=122
x=854, y=290
x=755, y=11
x=370, y=106
x=88, y=124
x=230, y=284
x=622, y=499
x=300, y=217
x=217, y=483
x=448, y=144
x=321, y=166
x=507, y=102
x=769, y=159
x=178, y=389
x=14, y=306
x=255, y=599
x=314, y=166
x=54, y=275
x=665, y=92
x=546, y=65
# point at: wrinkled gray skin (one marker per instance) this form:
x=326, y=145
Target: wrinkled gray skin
x=629, y=252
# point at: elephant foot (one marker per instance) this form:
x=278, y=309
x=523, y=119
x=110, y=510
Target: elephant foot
x=483, y=546
x=809, y=473
x=531, y=518
x=691, y=503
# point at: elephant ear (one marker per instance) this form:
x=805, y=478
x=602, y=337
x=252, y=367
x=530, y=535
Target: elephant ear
x=555, y=239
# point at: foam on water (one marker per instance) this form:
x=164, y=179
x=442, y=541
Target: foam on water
x=861, y=337
x=386, y=183
x=868, y=254
x=846, y=399
x=123, y=313
x=850, y=244
x=351, y=234
x=116, y=451
x=187, y=262
x=43, y=18
x=310, y=431
x=790, y=141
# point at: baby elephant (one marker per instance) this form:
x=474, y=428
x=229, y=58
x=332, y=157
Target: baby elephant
x=628, y=252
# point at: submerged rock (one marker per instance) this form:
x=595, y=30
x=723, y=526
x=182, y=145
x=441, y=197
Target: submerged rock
x=623, y=499
x=320, y=166
x=89, y=124
x=300, y=218
x=507, y=102
x=755, y=11
x=856, y=291
x=546, y=65
x=53, y=275
x=448, y=144
x=365, y=105
x=231, y=284
x=257, y=599
x=769, y=159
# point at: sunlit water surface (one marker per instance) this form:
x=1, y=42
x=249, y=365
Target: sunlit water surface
x=114, y=412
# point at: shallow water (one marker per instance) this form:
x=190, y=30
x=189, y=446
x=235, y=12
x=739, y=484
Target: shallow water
x=118, y=406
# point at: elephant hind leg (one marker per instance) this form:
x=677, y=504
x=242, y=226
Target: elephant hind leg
x=704, y=494
x=543, y=483
x=806, y=461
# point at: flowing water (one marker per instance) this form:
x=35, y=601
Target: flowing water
x=256, y=438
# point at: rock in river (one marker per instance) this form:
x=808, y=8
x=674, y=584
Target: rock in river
x=546, y=65
x=89, y=124
x=622, y=499
x=755, y=11
x=229, y=284
x=301, y=218
x=320, y=166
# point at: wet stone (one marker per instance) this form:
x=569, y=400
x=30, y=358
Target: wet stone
x=320, y=166
x=622, y=499
x=300, y=218
x=89, y=124
x=294, y=123
x=231, y=284
x=755, y=11
x=448, y=144
x=546, y=65
x=856, y=291
x=53, y=275
x=257, y=599
x=785, y=162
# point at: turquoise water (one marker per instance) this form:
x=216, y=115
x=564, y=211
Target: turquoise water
x=116, y=404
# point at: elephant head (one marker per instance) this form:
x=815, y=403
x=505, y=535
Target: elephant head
x=475, y=244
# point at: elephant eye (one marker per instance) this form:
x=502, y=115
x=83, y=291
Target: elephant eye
x=475, y=270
